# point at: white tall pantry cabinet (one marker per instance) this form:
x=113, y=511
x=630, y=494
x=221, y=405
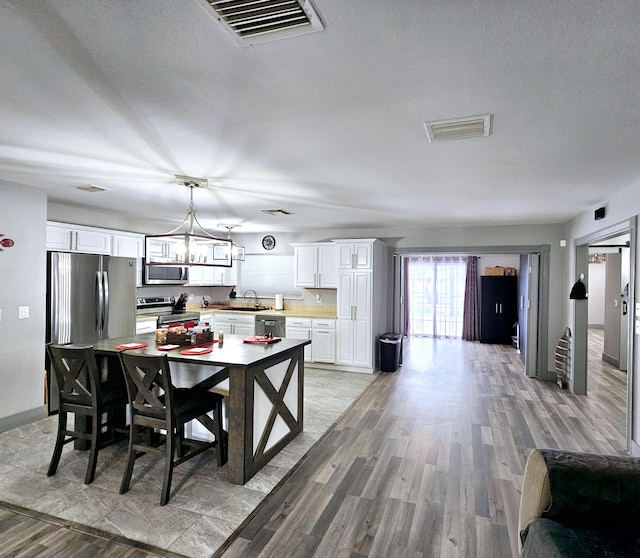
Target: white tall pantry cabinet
x=361, y=301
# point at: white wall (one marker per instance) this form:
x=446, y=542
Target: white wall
x=23, y=214
x=597, y=272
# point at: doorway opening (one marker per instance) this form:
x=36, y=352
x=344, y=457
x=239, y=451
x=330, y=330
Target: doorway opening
x=531, y=265
x=603, y=334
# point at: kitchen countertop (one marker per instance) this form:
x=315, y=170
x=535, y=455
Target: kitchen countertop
x=299, y=311
x=328, y=312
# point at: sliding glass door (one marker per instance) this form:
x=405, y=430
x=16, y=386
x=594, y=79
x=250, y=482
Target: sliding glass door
x=434, y=295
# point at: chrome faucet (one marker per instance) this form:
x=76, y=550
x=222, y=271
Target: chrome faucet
x=256, y=302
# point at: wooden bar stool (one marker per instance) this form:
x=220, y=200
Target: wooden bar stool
x=156, y=404
x=81, y=392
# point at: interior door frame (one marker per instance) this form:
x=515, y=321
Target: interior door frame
x=579, y=378
x=537, y=334
x=531, y=346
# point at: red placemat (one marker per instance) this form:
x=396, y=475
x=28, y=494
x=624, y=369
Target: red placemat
x=126, y=346
x=261, y=339
x=196, y=351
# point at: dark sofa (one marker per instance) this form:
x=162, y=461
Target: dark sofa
x=579, y=505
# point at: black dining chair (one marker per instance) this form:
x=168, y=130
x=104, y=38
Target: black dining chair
x=155, y=405
x=93, y=403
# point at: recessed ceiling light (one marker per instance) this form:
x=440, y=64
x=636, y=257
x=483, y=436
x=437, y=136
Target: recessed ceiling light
x=92, y=188
x=459, y=128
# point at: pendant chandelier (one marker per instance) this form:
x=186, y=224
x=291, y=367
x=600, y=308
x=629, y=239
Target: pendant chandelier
x=237, y=251
x=189, y=243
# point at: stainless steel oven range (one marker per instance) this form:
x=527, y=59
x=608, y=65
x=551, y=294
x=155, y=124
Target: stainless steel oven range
x=168, y=309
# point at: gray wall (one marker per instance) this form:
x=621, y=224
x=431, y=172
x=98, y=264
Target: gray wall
x=23, y=214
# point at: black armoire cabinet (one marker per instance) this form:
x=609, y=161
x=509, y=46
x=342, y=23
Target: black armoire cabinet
x=498, y=308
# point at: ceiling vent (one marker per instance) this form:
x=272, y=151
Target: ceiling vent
x=276, y=211
x=459, y=128
x=92, y=188
x=254, y=21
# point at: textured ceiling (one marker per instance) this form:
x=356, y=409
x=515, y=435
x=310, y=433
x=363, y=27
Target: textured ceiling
x=329, y=125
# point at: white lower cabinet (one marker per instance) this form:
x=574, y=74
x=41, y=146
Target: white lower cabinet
x=300, y=328
x=323, y=341
x=322, y=334
x=235, y=324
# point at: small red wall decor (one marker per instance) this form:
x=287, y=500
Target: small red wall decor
x=5, y=243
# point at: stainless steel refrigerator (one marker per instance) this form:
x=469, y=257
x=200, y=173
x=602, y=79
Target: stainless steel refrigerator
x=89, y=297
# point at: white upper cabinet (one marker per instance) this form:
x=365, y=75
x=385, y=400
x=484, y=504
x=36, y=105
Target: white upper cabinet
x=354, y=254
x=226, y=276
x=212, y=276
x=75, y=238
x=127, y=245
x=315, y=266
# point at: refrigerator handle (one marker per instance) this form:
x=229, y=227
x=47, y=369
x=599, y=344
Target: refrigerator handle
x=105, y=302
x=55, y=303
x=99, y=303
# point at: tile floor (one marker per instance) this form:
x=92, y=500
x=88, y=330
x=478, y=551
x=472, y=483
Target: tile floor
x=204, y=509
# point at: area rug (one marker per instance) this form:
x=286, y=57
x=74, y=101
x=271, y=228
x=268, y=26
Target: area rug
x=204, y=509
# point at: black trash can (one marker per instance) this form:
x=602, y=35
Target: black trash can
x=390, y=351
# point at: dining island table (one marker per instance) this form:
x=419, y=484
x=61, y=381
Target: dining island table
x=265, y=386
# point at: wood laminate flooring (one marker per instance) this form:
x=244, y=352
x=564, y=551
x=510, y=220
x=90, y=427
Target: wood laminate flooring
x=427, y=463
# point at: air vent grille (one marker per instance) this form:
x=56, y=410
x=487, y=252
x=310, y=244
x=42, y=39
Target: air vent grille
x=252, y=21
x=92, y=188
x=276, y=211
x=248, y=18
x=459, y=128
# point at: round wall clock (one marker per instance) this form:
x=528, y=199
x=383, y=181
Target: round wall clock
x=268, y=242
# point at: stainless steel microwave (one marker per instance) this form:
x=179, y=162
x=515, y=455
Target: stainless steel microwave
x=165, y=274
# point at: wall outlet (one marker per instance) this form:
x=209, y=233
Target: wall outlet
x=23, y=312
